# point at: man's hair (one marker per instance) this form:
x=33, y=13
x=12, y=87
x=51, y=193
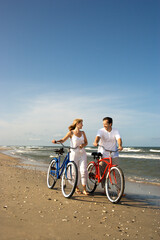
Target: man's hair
x=110, y=120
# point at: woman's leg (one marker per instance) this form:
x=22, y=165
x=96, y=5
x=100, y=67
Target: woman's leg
x=75, y=158
x=83, y=172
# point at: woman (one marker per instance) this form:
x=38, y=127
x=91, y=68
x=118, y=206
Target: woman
x=79, y=141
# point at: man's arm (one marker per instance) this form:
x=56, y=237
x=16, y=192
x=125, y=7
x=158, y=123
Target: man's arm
x=119, y=141
x=96, y=141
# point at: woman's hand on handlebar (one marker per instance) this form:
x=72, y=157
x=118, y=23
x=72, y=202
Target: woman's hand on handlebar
x=59, y=141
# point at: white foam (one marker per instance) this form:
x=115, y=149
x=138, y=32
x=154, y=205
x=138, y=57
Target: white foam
x=52, y=156
x=20, y=151
x=140, y=156
x=88, y=154
x=131, y=150
x=89, y=148
x=154, y=150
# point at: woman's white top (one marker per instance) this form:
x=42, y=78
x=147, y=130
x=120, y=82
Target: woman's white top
x=76, y=142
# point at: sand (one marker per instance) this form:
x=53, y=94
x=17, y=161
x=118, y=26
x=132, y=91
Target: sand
x=29, y=210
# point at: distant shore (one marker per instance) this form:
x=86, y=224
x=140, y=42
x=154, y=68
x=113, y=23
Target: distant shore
x=29, y=210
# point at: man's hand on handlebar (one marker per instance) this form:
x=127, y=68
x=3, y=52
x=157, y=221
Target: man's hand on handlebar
x=95, y=144
x=120, y=148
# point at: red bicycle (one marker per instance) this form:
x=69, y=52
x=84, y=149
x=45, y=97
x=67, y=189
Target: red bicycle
x=114, y=183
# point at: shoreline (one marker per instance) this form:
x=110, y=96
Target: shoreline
x=32, y=164
x=133, y=188
x=29, y=210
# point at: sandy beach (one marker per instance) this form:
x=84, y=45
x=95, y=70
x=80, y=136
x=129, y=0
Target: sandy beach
x=29, y=210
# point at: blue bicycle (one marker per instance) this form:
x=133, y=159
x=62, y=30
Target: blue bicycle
x=68, y=171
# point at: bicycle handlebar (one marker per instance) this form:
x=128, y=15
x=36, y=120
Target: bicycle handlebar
x=66, y=146
x=106, y=149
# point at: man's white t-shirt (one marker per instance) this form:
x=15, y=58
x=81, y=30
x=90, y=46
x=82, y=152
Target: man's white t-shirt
x=109, y=141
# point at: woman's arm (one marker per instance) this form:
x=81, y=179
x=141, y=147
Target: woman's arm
x=85, y=141
x=63, y=139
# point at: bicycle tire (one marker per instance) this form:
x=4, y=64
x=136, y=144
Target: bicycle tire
x=69, y=179
x=52, y=174
x=114, y=184
x=91, y=178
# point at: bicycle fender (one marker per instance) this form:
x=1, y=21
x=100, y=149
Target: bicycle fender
x=56, y=159
x=92, y=162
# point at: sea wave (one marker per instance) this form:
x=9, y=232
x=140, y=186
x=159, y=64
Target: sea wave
x=89, y=148
x=144, y=180
x=88, y=153
x=53, y=156
x=42, y=154
x=21, y=151
x=131, y=150
x=154, y=150
x=140, y=156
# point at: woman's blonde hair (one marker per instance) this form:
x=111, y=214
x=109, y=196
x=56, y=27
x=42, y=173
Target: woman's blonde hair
x=75, y=122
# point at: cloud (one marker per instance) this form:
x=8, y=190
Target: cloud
x=34, y=139
x=48, y=117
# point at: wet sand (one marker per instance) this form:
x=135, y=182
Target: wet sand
x=29, y=210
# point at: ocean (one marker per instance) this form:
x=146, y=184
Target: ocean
x=139, y=164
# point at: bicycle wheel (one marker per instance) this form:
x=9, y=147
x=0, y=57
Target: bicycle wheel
x=114, y=184
x=52, y=174
x=91, y=179
x=69, y=179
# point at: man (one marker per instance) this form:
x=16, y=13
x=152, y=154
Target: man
x=108, y=137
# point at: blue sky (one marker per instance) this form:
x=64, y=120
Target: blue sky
x=67, y=59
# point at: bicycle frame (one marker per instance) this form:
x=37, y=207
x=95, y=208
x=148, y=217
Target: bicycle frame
x=64, y=169
x=60, y=169
x=114, y=183
x=107, y=168
x=64, y=164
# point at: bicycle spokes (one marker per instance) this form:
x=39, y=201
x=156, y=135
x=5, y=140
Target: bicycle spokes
x=92, y=176
x=52, y=174
x=91, y=179
x=69, y=179
x=114, y=184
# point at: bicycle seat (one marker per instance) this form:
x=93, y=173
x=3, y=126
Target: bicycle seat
x=96, y=154
x=59, y=151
